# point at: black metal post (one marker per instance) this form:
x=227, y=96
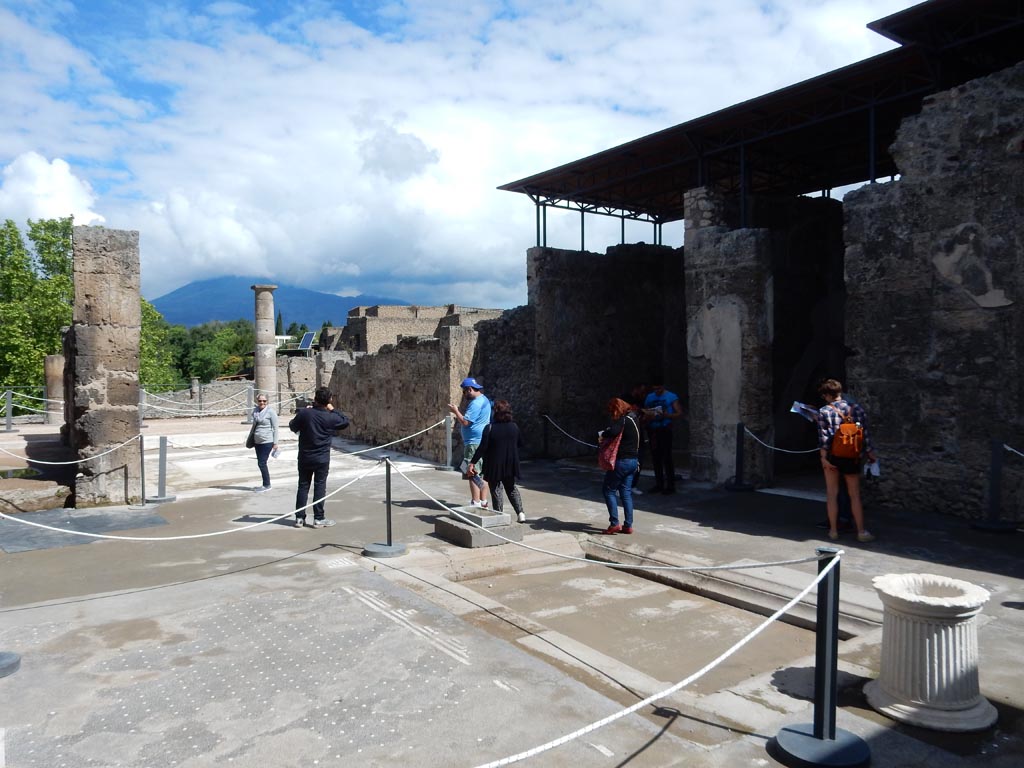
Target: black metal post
x=820, y=743
x=142, y=469
x=390, y=549
x=547, y=445
x=991, y=522
x=737, y=481
x=387, y=495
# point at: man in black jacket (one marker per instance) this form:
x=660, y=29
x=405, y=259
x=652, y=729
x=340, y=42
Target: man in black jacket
x=315, y=426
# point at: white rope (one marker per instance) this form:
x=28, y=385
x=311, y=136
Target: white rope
x=668, y=691
x=78, y=461
x=194, y=535
x=200, y=410
x=463, y=518
x=1012, y=450
x=246, y=457
x=28, y=408
x=41, y=399
x=394, y=442
x=772, y=447
x=581, y=442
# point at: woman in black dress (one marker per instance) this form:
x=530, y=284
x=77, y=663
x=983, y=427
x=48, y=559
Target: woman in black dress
x=499, y=449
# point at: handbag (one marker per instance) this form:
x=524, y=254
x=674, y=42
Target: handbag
x=608, y=451
x=250, y=441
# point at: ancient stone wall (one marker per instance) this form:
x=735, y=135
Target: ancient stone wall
x=370, y=328
x=603, y=322
x=729, y=345
x=102, y=372
x=934, y=266
x=405, y=388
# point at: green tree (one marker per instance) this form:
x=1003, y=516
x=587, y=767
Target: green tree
x=36, y=296
x=157, y=369
x=279, y=325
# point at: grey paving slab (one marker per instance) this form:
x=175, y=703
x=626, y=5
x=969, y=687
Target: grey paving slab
x=16, y=537
x=325, y=663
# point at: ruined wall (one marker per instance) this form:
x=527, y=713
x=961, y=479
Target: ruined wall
x=505, y=358
x=729, y=315
x=370, y=328
x=934, y=266
x=603, y=322
x=102, y=353
x=405, y=388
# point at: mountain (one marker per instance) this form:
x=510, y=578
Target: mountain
x=231, y=298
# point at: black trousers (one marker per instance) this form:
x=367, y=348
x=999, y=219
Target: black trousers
x=317, y=475
x=661, y=457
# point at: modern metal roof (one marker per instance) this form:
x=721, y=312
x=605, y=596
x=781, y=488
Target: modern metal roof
x=822, y=133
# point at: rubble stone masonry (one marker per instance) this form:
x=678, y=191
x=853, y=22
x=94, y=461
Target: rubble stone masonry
x=934, y=267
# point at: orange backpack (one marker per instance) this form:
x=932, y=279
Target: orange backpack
x=848, y=440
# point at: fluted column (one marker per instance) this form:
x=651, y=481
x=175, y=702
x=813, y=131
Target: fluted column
x=265, y=363
x=929, y=665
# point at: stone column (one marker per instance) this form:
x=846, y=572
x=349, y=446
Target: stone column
x=265, y=363
x=103, y=366
x=53, y=371
x=729, y=305
x=929, y=669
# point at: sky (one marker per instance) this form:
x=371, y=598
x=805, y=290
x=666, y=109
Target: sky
x=356, y=147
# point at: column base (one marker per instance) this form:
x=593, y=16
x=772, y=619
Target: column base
x=978, y=717
x=797, y=747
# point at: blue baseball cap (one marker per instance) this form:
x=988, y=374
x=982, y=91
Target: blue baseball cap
x=471, y=382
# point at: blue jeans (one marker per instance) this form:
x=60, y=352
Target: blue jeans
x=262, y=454
x=620, y=480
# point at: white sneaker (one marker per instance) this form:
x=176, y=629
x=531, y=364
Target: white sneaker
x=484, y=504
x=475, y=503
x=521, y=517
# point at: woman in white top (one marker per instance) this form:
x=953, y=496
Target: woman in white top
x=264, y=436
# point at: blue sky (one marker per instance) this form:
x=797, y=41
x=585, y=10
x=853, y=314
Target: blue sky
x=355, y=147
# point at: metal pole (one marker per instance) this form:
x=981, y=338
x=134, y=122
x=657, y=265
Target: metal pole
x=448, y=426
x=142, y=406
x=249, y=404
x=991, y=522
x=738, y=484
x=9, y=406
x=387, y=495
x=826, y=649
x=820, y=743
x=278, y=398
x=547, y=445
x=162, y=475
x=142, y=467
x=390, y=549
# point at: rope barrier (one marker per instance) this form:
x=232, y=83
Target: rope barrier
x=581, y=442
x=41, y=399
x=1012, y=450
x=678, y=686
x=772, y=447
x=28, y=408
x=394, y=442
x=77, y=461
x=627, y=566
x=200, y=411
x=194, y=535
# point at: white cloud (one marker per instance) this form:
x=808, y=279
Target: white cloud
x=34, y=188
x=314, y=146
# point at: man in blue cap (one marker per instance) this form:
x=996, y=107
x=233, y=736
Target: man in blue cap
x=476, y=417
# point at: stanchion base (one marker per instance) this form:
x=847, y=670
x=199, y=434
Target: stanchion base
x=159, y=499
x=384, y=550
x=995, y=526
x=9, y=663
x=796, y=746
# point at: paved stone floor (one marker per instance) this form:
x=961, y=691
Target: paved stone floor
x=275, y=646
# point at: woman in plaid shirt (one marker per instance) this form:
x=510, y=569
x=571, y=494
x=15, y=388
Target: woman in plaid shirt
x=830, y=416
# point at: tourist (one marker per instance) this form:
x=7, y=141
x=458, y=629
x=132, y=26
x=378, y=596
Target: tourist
x=830, y=416
x=618, y=481
x=476, y=417
x=264, y=437
x=661, y=409
x=499, y=452
x=315, y=426
x=635, y=397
